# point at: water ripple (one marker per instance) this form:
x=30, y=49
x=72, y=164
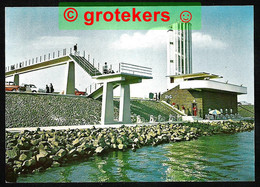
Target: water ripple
x=216, y=158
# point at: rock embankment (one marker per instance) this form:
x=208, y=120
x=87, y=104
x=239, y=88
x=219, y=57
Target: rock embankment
x=32, y=151
x=27, y=110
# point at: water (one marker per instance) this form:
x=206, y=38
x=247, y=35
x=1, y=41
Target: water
x=213, y=158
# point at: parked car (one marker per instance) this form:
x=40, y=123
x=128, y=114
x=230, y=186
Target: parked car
x=77, y=92
x=10, y=86
x=28, y=88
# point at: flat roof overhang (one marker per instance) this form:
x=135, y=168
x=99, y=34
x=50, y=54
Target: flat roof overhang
x=200, y=75
x=212, y=85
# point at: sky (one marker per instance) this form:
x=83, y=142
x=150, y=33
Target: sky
x=223, y=46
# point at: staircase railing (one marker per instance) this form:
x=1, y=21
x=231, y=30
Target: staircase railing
x=92, y=88
x=174, y=109
x=86, y=65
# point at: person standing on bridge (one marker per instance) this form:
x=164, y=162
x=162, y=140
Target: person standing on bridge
x=47, y=88
x=75, y=49
x=105, y=68
x=51, y=88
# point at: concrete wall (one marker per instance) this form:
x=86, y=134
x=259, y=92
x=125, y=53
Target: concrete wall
x=204, y=99
x=185, y=98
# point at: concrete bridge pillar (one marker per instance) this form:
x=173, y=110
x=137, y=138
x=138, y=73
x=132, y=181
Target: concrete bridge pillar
x=109, y=82
x=70, y=84
x=107, y=114
x=16, y=79
x=124, y=108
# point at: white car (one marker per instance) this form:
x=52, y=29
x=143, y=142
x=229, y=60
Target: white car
x=28, y=88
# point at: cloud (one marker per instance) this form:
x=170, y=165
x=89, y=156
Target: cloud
x=151, y=39
x=54, y=42
x=157, y=38
x=206, y=41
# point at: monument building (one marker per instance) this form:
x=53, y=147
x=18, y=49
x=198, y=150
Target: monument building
x=195, y=93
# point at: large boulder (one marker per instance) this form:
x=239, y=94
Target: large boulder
x=29, y=163
x=99, y=149
x=23, y=157
x=13, y=153
x=61, y=153
x=76, y=142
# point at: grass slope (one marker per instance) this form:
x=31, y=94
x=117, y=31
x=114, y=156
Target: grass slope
x=244, y=110
x=145, y=108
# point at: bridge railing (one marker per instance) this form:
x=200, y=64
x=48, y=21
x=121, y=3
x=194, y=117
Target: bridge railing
x=123, y=67
x=134, y=69
x=112, y=68
x=49, y=56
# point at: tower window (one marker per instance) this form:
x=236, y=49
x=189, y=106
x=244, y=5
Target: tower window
x=171, y=43
x=171, y=61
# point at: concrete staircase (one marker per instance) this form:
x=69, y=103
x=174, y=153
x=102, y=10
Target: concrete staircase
x=86, y=65
x=175, y=110
x=184, y=116
x=97, y=93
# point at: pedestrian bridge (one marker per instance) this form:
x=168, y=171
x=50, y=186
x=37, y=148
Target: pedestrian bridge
x=68, y=60
x=94, y=90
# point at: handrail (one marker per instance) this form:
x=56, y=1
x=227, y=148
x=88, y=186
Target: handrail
x=86, y=65
x=94, y=70
x=135, y=68
x=246, y=109
x=95, y=87
x=174, y=109
x=136, y=71
x=136, y=65
x=43, y=58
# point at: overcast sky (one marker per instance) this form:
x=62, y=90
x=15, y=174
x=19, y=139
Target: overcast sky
x=223, y=46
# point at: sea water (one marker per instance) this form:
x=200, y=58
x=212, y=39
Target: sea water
x=225, y=157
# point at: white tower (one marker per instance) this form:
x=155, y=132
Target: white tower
x=179, y=49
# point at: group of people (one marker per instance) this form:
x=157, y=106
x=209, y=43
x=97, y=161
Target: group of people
x=49, y=89
x=194, y=109
x=157, y=96
x=106, y=70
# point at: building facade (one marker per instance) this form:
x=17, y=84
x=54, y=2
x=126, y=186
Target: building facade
x=194, y=91
x=179, y=49
x=200, y=91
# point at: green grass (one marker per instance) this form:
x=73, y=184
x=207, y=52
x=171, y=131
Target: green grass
x=145, y=108
x=246, y=110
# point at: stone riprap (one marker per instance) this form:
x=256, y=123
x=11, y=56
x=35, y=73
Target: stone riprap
x=32, y=151
x=27, y=110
